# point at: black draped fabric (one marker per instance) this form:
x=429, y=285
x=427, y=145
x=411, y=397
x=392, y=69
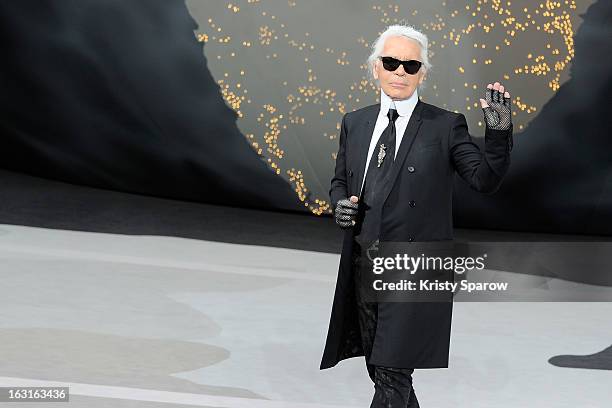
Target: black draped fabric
x=560, y=179
x=116, y=94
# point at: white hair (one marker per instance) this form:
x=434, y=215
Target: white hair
x=399, y=31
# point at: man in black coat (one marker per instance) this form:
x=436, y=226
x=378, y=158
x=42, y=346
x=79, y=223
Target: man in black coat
x=393, y=182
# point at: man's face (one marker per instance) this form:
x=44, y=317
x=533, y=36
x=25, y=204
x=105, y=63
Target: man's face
x=399, y=84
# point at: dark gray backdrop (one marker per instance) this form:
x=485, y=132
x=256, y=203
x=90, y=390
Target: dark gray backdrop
x=121, y=95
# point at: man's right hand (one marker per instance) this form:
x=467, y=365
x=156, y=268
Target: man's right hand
x=346, y=212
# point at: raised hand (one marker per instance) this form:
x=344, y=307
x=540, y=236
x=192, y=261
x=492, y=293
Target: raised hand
x=346, y=212
x=497, y=107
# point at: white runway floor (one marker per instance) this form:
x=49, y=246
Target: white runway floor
x=149, y=321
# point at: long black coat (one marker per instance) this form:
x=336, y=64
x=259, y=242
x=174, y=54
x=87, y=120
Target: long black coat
x=418, y=207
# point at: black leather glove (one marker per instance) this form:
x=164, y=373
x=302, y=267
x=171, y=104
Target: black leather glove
x=498, y=114
x=345, y=213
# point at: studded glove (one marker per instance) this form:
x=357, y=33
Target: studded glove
x=498, y=114
x=345, y=213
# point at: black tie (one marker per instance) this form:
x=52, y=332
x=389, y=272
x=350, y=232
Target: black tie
x=389, y=142
x=375, y=180
x=385, y=151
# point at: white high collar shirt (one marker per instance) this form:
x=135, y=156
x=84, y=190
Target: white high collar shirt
x=404, y=108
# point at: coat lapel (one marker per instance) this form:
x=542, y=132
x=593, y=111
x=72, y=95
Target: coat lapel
x=364, y=145
x=408, y=138
x=410, y=134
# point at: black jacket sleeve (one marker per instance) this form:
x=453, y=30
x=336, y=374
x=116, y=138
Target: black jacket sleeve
x=483, y=172
x=338, y=188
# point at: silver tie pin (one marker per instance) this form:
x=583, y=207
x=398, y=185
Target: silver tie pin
x=381, y=154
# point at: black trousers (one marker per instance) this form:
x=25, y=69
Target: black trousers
x=392, y=386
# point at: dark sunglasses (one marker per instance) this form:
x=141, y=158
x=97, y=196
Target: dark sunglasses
x=391, y=64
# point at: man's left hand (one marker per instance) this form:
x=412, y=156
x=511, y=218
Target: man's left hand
x=497, y=107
